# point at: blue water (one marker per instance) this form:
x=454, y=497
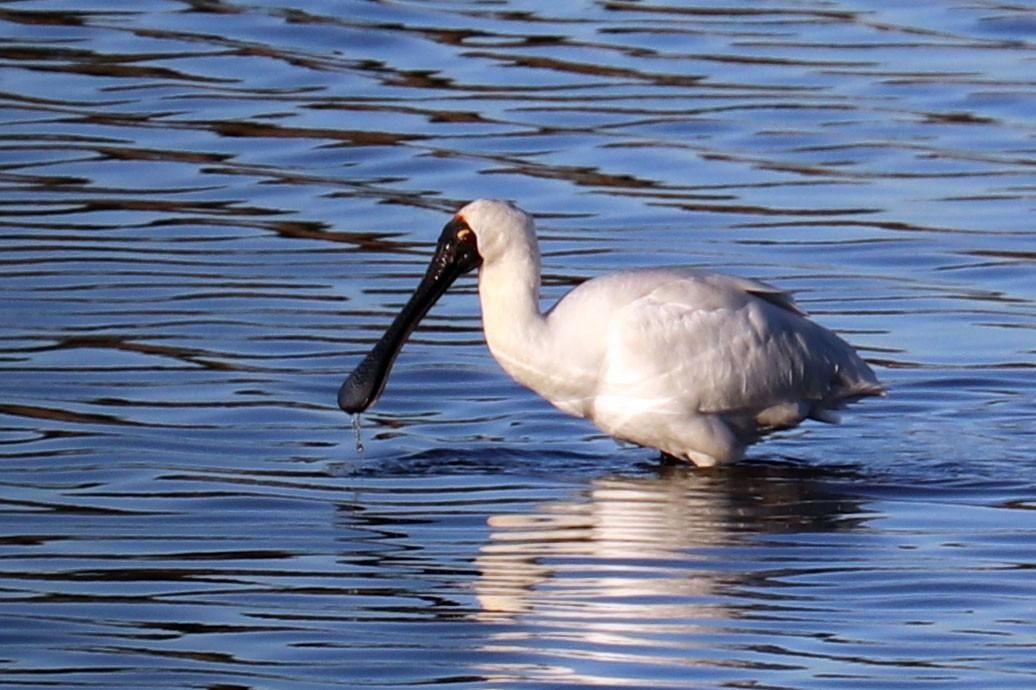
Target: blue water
x=211, y=210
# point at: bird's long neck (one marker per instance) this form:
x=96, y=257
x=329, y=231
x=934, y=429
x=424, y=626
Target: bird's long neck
x=516, y=333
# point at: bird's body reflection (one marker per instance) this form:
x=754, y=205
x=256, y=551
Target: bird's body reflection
x=649, y=547
x=661, y=577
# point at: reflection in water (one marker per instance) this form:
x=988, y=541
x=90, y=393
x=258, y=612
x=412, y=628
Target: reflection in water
x=648, y=550
x=761, y=575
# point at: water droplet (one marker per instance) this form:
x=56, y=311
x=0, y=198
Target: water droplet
x=356, y=432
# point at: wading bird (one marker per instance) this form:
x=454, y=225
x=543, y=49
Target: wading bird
x=697, y=365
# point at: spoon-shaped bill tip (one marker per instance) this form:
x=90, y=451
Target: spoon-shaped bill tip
x=364, y=385
x=358, y=391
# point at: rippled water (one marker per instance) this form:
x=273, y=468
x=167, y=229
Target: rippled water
x=211, y=210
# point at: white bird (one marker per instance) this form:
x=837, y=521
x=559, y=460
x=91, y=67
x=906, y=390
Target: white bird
x=697, y=365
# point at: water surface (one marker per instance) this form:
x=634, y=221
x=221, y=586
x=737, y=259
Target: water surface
x=212, y=209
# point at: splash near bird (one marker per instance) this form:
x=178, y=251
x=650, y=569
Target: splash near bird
x=697, y=365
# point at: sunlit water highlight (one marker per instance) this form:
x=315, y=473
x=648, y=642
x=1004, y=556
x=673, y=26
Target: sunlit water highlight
x=212, y=209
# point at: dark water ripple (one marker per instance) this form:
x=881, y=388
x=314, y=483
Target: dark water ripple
x=211, y=209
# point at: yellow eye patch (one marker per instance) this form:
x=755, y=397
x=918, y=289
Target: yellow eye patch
x=465, y=235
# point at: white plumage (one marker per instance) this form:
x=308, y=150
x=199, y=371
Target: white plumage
x=698, y=365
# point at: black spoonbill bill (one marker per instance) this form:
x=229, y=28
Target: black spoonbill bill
x=698, y=365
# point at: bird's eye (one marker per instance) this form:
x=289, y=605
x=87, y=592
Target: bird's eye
x=466, y=235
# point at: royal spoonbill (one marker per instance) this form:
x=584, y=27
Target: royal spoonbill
x=697, y=365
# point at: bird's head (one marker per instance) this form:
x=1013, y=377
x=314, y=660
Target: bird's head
x=481, y=232
x=499, y=227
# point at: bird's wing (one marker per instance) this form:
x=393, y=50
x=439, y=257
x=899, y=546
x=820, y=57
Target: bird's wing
x=775, y=296
x=717, y=344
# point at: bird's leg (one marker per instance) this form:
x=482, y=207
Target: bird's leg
x=668, y=460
